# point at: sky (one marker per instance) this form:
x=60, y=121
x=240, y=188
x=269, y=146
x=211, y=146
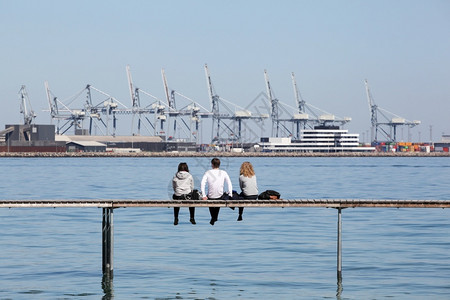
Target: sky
x=401, y=47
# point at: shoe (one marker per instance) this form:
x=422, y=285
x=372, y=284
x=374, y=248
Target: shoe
x=212, y=222
x=175, y=222
x=232, y=208
x=240, y=218
x=192, y=221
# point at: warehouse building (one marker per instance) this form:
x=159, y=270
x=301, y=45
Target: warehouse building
x=85, y=146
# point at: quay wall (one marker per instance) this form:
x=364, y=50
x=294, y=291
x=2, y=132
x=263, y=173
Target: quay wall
x=224, y=154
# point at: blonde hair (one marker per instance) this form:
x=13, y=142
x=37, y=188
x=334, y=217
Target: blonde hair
x=247, y=169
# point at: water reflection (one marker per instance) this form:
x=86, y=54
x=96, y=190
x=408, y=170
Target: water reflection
x=340, y=288
x=107, y=287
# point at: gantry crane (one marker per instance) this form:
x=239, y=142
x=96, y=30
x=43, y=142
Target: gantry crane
x=301, y=117
x=274, y=109
x=61, y=112
x=236, y=117
x=103, y=110
x=158, y=108
x=298, y=115
x=391, y=120
x=97, y=105
x=192, y=111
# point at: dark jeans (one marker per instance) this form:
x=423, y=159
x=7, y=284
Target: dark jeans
x=249, y=197
x=176, y=210
x=214, y=211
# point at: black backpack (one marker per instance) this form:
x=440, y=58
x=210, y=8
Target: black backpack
x=194, y=195
x=269, y=194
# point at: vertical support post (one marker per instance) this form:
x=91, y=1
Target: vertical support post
x=339, y=246
x=107, y=242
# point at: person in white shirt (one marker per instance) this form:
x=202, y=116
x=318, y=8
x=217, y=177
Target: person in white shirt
x=215, y=179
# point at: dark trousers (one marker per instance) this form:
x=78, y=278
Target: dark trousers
x=214, y=211
x=249, y=197
x=176, y=210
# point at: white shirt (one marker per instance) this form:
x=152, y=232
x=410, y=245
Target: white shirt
x=216, y=179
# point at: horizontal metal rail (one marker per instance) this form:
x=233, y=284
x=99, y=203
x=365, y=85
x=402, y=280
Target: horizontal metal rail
x=332, y=203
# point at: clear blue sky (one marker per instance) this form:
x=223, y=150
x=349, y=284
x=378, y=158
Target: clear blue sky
x=401, y=47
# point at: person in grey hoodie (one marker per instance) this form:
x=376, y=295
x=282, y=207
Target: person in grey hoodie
x=183, y=184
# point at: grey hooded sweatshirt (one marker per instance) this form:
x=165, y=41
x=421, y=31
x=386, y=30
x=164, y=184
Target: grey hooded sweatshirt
x=183, y=183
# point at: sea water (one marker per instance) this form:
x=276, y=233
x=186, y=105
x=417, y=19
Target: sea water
x=274, y=253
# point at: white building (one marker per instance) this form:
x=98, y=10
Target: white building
x=320, y=139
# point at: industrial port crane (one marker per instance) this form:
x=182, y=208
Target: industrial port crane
x=388, y=126
x=158, y=108
x=28, y=117
x=274, y=109
x=99, y=108
x=321, y=117
x=99, y=104
x=61, y=112
x=25, y=107
x=228, y=120
x=237, y=116
x=301, y=117
x=189, y=115
x=297, y=115
x=102, y=111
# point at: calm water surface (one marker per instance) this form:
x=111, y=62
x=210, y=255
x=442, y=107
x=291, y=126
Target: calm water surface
x=275, y=253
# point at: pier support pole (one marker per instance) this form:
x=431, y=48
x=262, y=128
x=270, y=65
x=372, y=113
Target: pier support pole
x=107, y=242
x=339, y=247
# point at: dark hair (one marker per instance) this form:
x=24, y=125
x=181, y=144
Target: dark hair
x=183, y=167
x=215, y=162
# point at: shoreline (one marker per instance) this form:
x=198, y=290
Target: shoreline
x=223, y=154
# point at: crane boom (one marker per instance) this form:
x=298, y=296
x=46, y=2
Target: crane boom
x=25, y=106
x=212, y=97
x=131, y=88
x=166, y=88
x=369, y=95
x=273, y=101
x=373, y=113
x=273, y=105
x=269, y=90
x=298, y=97
x=214, y=105
x=52, y=103
x=169, y=96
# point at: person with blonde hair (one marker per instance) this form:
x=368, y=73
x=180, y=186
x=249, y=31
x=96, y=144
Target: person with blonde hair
x=248, y=184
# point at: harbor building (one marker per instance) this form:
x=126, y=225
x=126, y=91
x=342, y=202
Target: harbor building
x=30, y=138
x=443, y=145
x=319, y=139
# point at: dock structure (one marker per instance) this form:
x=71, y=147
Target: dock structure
x=108, y=206
x=329, y=203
